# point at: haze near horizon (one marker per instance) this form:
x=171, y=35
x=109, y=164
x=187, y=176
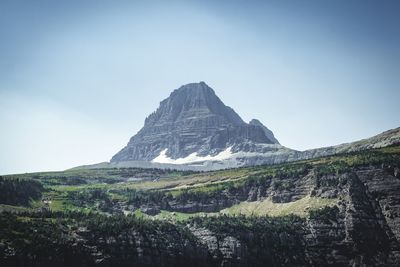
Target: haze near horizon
x=78, y=78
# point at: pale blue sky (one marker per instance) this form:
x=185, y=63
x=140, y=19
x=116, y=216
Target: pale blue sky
x=78, y=78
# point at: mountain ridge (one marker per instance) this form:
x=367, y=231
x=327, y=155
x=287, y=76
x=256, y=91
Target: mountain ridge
x=385, y=139
x=193, y=129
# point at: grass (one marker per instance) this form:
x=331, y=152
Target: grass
x=58, y=201
x=300, y=207
x=62, y=205
x=180, y=216
x=170, y=216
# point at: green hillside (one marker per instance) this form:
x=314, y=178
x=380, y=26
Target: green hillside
x=48, y=216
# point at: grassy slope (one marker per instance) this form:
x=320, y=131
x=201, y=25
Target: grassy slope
x=267, y=207
x=58, y=185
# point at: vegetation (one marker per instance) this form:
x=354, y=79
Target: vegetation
x=55, y=218
x=19, y=191
x=117, y=189
x=327, y=213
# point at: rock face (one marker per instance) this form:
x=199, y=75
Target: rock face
x=267, y=131
x=193, y=121
x=361, y=229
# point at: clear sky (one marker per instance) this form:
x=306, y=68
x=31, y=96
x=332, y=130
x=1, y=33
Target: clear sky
x=78, y=78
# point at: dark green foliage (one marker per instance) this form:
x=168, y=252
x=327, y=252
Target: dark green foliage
x=19, y=191
x=225, y=225
x=100, y=175
x=292, y=170
x=337, y=167
x=65, y=180
x=202, y=197
x=38, y=242
x=206, y=194
x=90, y=197
x=280, y=185
x=339, y=164
x=140, y=197
x=325, y=214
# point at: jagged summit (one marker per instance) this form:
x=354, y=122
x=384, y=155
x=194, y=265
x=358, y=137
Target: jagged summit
x=193, y=101
x=194, y=124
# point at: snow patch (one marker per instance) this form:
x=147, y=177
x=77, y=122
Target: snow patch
x=194, y=157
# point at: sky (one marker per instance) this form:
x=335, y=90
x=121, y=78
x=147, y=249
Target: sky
x=78, y=78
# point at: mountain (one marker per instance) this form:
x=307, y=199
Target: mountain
x=337, y=206
x=194, y=130
x=193, y=124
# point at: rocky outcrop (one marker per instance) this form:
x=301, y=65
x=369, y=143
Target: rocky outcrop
x=358, y=233
x=267, y=131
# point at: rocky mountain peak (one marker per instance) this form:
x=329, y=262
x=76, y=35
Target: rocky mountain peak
x=194, y=124
x=195, y=90
x=191, y=102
